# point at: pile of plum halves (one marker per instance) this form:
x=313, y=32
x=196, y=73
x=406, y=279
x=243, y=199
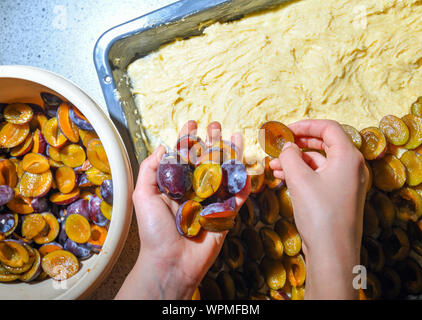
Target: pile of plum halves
x=56, y=191
x=262, y=257
x=205, y=180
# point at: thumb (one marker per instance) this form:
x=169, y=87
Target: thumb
x=295, y=169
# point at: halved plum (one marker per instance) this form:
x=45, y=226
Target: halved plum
x=353, y=134
x=389, y=173
x=81, y=207
x=250, y=212
x=18, y=113
x=65, y=198
x=206, y=180
x=234, y=176
x=253, y=275
x=274, y=273
x=51, y=99
x=13, y=254
x=270, y=181
x=173, y=177
x=273, y=245
x=296, y=270
x=6, y=194
x=65, y=179
x=38, y=121
x=190, y=148
x=80, y=250
x=106, y=191
x=60, y=264
x=35, y=163
x=228, y=149
x=396, y=244
x=209, y=289
x=227, y=285
x=8, y=174
x=11, y=135
x=53, y=153
x=52, y=133
x=187, y=218
x=414, y=124
x=376, y=257
x=53, y=229
x=373, y=288
x=413, y=163
x=272, y=136
x=97, y=155
x=416, y=107
x=33, y=225
x=35, y=184
x=72, y=155
x=24, y=147
x=253, y=243
x=65, y=123
x=8, y=223
x=298, y=293
x=77, y=228
x=292, y=243
x=49, y=247
x=408, y=203
x=385, y=209
x=94, y=206
x=257, y=174
x=79, y=119
x=35, y=269
x=87, y=136
x=39, y=143
x=233, y=253
x=374, y=143
x=20, y=205
x=394, y=129
x=96, y=176
x=269, y=208
x=285, y=203
x=98, y=235
x=370, y=221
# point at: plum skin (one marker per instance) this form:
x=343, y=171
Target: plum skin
x=174, y=179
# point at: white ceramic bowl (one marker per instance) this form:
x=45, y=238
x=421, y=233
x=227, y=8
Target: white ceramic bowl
x=24, y=84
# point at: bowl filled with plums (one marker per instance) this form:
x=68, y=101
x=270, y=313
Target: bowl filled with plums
x=62, y=227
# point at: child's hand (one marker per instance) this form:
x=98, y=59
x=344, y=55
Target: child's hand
x=328, y=196
x=169, y=265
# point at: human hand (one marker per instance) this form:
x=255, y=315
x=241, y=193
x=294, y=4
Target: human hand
x=169, y=265
x=328, y=197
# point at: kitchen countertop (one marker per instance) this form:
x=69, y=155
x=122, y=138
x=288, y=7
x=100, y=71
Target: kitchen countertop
x=59, y=35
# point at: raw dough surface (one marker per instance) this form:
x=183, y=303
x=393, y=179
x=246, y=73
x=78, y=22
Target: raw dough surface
x=353, y=61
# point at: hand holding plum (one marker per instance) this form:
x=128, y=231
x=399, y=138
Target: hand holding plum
x=171, y=265
x=328, y=196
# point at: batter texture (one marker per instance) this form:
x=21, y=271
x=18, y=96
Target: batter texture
x=353, y=61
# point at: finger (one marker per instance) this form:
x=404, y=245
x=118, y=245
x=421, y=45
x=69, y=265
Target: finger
x=147, y=178
x=314, y=159
x=329, y=131
x=237, y=140
x=295, y=169
x=310, y=143
x=275, y=164
x=279, y=174
x=243, y=194
x=213, y=133
x=189, y=128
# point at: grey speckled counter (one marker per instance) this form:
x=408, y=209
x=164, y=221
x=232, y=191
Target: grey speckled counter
x=60, y=36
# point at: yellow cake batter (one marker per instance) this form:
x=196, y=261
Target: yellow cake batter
x=353, y=61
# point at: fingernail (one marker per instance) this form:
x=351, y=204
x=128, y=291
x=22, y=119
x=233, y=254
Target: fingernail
x=273, y=162
x=287, y=145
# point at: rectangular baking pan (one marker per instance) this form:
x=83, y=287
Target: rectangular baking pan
x=121, y=45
